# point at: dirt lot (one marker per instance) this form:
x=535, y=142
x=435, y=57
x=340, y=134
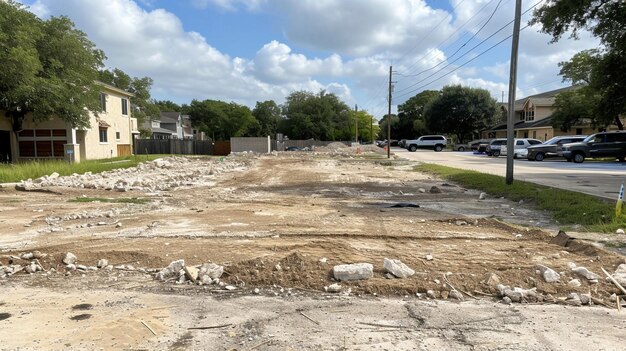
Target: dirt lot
x=306, y=213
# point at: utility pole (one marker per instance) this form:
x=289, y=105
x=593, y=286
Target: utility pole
x=372, y=129
x=389, y=119
x=356, y=123
x=510, y=130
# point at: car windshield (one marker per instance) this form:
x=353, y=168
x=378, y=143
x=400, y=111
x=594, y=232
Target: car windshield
x=552, y=141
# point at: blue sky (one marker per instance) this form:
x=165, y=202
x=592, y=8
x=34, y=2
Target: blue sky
x=255, y=50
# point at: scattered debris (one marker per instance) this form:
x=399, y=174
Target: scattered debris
x=69, y=258
x=333, y=288
x=548, y=274
x=435, y=190
x=356, y=271
x=482, y=196
x=397, y=268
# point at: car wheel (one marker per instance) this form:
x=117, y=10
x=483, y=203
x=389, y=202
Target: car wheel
x=496, y=153
x=461, y=149
x=438, y=148
x=412, y=148
x=539, y=156
x=579, y=157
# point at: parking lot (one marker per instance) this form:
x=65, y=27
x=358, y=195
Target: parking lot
x=601, y=179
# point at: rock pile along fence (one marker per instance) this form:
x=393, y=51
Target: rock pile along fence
x=173, y=147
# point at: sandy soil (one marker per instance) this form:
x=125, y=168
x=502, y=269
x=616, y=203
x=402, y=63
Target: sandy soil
x=293, y=210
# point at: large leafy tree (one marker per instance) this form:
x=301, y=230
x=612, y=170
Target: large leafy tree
x=221, y=120
x=461, y=111
x=602, y=70
x=411, y=114
x=48, y=68
x=268, y=115
x=319, y=116
x=143, y=106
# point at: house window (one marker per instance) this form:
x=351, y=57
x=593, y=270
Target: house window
x=42, y=143
x=103, y=102
x=124, y=107
x=103, y=135
x=530, y=115
x=117, y=135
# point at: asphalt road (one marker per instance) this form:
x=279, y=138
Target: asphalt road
x=601, y=179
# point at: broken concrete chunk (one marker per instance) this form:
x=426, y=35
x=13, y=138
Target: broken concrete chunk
x=456, y=295
x=620, y=274
x=356, y=271
x=620, y=231
x=69, y=258
x=102, y=263
x=333, y=288
x=28, y=256
x=585, y=273
x=548, y=274
x=172, y=271
x=230, y=287
x=429, y=257
x=192, y=273
x=482, y=196
x=574, y=282
x=397, y=268
x=212, y=270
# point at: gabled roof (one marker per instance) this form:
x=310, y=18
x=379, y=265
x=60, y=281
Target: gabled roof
x=169, y=117
x=546, y=98
x=112, y=88
x=545, y=122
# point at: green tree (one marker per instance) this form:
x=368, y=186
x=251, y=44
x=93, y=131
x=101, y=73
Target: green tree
x=461, y=111
x=167, y=106
x=604, y=67
x=221, y=120
x=49, y=68
x=268, y=114
x=395, y=123
x=367, y=129
x=143, y=106
x=319, y=116
x=411, y=114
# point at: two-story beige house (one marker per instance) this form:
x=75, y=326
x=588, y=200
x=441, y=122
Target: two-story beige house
x=111, y=133
x=533, y=116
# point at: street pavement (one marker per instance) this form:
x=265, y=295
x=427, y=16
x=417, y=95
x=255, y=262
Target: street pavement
x=601, y=179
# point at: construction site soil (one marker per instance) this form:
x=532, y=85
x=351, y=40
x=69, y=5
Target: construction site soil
x=278, y=224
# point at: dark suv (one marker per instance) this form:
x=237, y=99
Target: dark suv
x=551, y=147
x=494, y=146
x=605, y=144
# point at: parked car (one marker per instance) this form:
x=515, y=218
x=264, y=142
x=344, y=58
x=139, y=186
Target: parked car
x=518, y=145
x=402, y=143
x=435, y=142
x=461, y=147
x=604, y=144
x=474, y=145
x=551, y=147
x=493, y=148
x=519, y=153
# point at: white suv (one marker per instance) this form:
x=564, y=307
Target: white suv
x=520, y=147
x=435, y=142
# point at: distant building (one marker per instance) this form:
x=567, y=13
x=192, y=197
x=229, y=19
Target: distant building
x=533, y=118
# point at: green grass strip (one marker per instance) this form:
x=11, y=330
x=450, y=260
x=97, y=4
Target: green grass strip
x=567, y=207
x=121, y=200
x=34, y=169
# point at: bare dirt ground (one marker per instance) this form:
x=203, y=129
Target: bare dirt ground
x=305, y=212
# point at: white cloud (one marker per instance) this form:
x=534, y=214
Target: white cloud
x=183, y=64
x=229, y=5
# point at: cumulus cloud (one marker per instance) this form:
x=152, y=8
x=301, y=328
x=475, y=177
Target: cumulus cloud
x=229, y=5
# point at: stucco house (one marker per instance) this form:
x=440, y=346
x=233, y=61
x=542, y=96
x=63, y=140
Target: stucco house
x=533, y=116
x=110, y=134
x=170, y=125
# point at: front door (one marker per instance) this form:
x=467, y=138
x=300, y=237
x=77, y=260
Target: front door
x=5, y=146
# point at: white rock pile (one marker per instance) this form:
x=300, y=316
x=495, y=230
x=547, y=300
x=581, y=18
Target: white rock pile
x=205, y=274
x=159, y=175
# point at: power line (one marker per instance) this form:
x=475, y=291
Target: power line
x=429, y=52
x=462, y=46
x=460, y=66
x=458, y=58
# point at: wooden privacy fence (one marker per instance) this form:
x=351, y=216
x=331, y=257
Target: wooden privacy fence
x=173, y=147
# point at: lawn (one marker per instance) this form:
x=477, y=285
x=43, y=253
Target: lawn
x=35, y=169
x=567, y=207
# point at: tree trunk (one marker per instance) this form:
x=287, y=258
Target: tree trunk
x=619, y=123
x=17, y=117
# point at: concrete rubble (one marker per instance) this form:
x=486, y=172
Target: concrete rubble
x=585, y=273
x=397, y=268
x=162, y=174
x=548, y=274
x=356, y=271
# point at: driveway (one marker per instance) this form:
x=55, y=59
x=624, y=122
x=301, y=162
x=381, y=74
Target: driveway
x=601, y=179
